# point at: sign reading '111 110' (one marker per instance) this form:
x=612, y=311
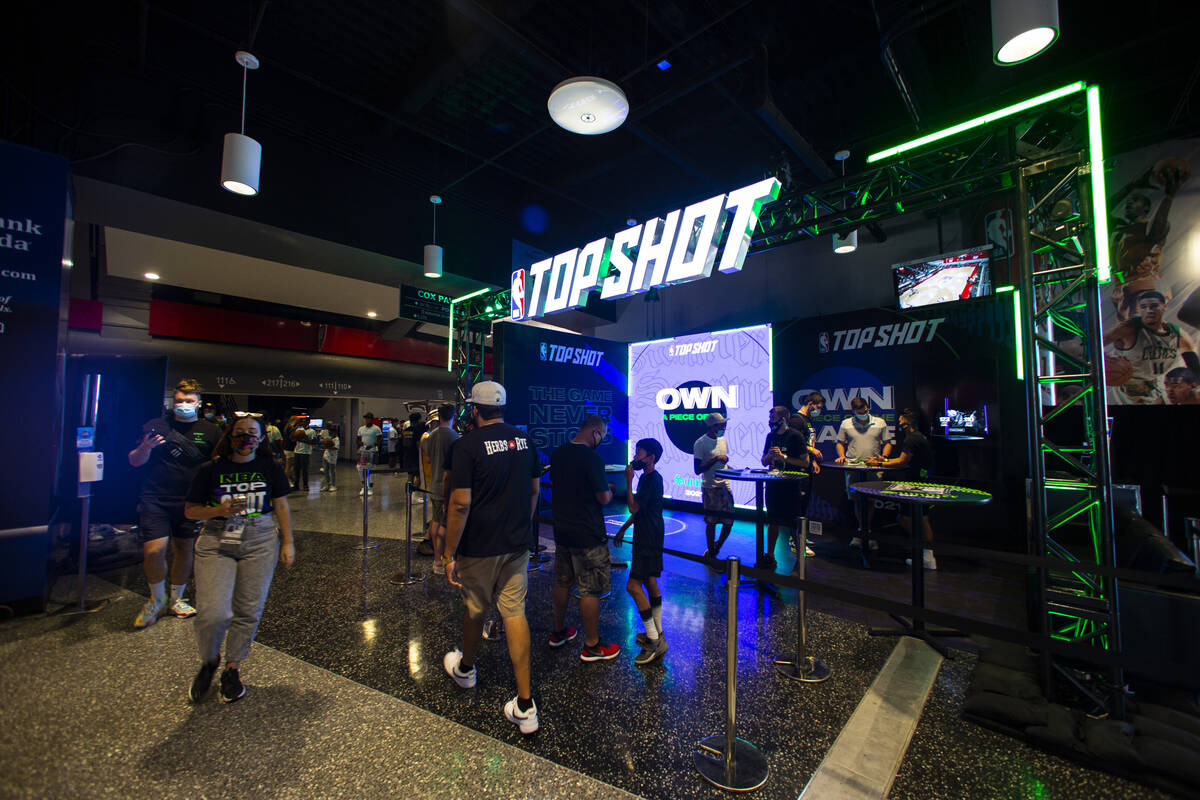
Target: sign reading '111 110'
x=683, y=246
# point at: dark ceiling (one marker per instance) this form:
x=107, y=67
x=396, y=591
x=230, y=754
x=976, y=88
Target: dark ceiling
x=366, y=107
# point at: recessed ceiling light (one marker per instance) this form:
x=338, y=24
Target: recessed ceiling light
x=152, y=276
x=372, y=314
x=1021, y=29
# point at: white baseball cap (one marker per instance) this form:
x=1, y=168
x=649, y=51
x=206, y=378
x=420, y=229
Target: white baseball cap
x=488, y=393
x=714, y=419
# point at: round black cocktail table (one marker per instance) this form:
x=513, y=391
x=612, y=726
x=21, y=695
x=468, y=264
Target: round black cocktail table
x=916, y=495
x=863, y=518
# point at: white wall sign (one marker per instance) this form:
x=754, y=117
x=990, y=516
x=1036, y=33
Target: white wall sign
x=684, y=246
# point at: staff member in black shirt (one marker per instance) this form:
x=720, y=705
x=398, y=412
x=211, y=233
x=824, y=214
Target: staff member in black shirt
x=785, y=448
x=581, y=552
x=174, y=447
x=917, y=456
x=494, y=479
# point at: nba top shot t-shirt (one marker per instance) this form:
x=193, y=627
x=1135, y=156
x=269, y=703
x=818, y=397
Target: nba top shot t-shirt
x=496, y=462
x=172, y=465
x=261, y=480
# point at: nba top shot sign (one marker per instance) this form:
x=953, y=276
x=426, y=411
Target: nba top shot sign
x=683, y=246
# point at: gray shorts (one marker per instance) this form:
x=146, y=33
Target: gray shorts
x=439, y=510
x=499, y=579
x=718, y=498
x=589, y=567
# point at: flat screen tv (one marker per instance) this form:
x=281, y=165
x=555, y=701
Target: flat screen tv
x=945, y=278
x=315, y=422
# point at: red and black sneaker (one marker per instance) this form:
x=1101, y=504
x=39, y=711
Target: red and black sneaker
x=559, y=638
x=600, y=652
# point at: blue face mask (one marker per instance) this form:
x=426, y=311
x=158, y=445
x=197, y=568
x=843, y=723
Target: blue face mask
x=862, y=417
x=185, y=411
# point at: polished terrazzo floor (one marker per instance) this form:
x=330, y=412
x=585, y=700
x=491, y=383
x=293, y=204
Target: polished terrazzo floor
x=625, y=726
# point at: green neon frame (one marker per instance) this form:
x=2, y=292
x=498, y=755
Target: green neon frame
x=953, y=130
x=1099, y=197
x=1020, y=341
x=450, y=336
x=1095, y=155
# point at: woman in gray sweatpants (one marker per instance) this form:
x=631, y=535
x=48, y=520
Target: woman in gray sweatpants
x=241, y=496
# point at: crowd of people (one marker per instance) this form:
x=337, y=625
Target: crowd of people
x=220, y=497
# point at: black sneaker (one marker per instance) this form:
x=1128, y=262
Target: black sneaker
x=559, y=638
x=202, y=682
x=231, y=686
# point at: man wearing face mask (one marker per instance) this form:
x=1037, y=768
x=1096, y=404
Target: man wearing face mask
x=581, y=542
x=784, y=449
x=860, y=437
x=173, y=447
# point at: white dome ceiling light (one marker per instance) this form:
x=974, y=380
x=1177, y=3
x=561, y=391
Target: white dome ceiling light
x=1022, y=29
x=588, y=105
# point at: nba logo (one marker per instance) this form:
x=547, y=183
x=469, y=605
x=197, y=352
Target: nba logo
x=517, y=296
x=823, y=342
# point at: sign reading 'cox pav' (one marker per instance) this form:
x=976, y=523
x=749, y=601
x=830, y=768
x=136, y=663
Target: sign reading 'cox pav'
x=683, y=246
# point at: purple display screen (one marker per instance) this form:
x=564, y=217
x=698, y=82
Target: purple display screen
x=675, y=383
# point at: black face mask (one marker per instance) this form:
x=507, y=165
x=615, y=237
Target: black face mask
x=637, y=464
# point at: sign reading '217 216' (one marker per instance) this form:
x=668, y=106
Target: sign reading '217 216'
x=683, y=246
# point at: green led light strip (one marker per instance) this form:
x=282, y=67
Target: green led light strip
x=1020, y=334
x=1099, y=198
x=450, y=336
x=985, y=119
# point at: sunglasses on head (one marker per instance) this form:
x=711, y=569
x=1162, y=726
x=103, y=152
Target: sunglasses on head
x=250, y=414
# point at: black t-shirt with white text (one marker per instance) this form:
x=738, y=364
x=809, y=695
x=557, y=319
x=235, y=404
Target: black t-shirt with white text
x=577, y=474
x=261, y=480
x=648, y=521
x=496, y=462
x=173, y=464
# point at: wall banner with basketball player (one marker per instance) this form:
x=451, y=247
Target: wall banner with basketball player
x=554, y=379
x=1151, y=310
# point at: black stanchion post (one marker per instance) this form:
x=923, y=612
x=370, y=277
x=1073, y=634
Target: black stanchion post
x=367, y=544
x=420, y=576
x=801, y=666
x=725, y=760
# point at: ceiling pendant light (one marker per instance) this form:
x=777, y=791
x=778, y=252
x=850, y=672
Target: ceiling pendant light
x=241, y=156
x=433, y=253
x=844, y=242
x=1021, y=29
x=588, y=105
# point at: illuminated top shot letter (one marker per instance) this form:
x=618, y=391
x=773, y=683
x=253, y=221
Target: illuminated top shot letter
x=703, y=250
x=749, y=201
x=658, y=236
x=562, y=272
x=617, y=284
x=535, y=303
x=591, y=264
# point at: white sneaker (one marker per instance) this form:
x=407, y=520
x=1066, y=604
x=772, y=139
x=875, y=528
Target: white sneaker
x=526, y=721
x=856, y=541
x=333, y=488
x=927, y=560
x=809, y=552
x=465, y=680
x=370, y=492
x=360, y=492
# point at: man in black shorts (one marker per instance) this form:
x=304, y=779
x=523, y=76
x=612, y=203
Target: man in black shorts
x=494, y=481
x=785, y=449
x=174, y=446
x=581, y=542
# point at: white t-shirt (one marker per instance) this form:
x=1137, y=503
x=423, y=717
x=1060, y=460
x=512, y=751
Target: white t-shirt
x=330, y=454
x=369, y=435
x=304, y=446
x=705, y=449
x=863, y=440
